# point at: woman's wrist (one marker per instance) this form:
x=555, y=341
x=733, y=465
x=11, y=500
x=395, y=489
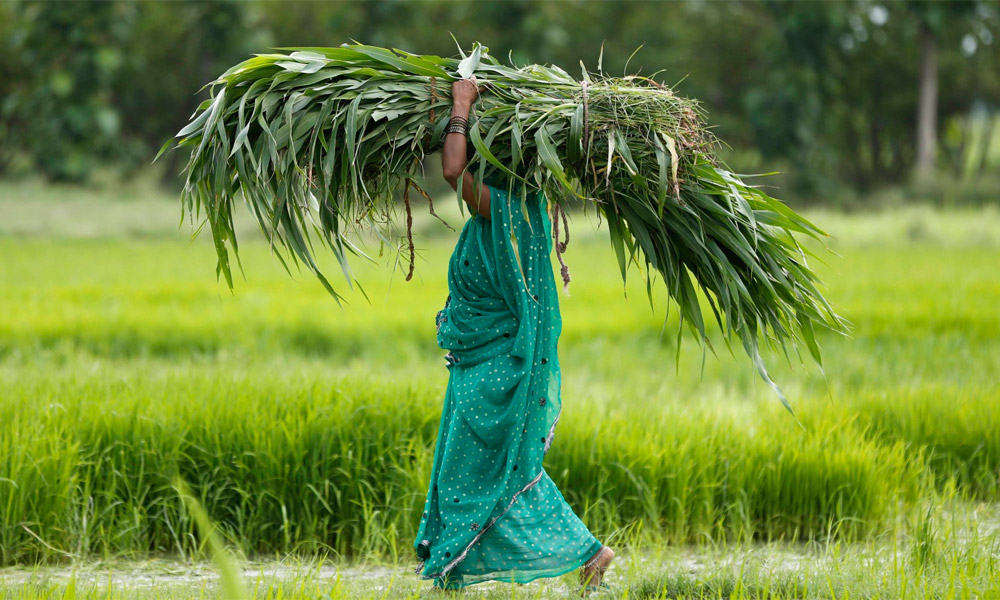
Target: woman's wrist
x=460, y=109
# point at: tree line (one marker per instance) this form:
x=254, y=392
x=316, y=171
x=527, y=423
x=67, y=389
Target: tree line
x=854, y=93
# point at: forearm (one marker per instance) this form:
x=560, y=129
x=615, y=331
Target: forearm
x=454, y=160
x=453, y=156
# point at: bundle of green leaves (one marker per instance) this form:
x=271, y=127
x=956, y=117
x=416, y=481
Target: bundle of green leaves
x=319, y=141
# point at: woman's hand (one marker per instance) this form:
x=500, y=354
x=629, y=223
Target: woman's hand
x=465, y=91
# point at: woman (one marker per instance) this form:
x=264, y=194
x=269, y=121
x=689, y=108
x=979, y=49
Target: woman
x=491, y=511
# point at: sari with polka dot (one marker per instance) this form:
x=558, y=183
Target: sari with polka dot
x=492, y=512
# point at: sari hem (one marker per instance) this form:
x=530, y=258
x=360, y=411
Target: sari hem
x=454, y=562
x=532, y=575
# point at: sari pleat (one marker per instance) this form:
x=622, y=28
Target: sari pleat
x=491, y=511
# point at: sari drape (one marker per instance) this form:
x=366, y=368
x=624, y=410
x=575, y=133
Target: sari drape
x=491, y=511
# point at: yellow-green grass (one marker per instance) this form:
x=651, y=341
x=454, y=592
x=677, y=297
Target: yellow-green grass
x=303, y=427
x=948, y=557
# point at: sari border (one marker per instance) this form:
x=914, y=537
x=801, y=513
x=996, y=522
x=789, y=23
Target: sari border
x=454, y=562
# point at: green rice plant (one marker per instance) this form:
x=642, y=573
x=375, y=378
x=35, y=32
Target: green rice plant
x=963, y=565
x=730, y=481
x=960, y=434
x=296, y=461
x=318, y=141
x=229, y=569
x=37, y=477
x=121, y=367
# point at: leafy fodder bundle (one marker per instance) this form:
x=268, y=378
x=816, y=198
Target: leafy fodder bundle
x=318, y=142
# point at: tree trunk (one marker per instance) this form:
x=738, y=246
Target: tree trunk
x=984, y=153
x=927, y=102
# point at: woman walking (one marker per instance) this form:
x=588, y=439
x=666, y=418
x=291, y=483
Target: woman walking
x=492, y=512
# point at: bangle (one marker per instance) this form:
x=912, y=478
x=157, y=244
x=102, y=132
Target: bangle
x=457, y=125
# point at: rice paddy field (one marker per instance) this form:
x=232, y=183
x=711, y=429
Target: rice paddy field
x=306, y=430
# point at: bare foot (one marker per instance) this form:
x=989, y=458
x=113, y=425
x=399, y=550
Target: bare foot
x=593, y=571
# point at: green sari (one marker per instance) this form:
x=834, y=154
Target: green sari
x=492, y=512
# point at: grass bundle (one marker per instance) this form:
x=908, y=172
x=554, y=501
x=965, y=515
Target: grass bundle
x=319, y=141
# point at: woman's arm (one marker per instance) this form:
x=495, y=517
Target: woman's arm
x=453, y=157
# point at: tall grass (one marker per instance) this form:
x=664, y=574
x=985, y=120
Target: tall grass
x=230, y=576
x=302, y=427
x=308, y=464
x=938, y=556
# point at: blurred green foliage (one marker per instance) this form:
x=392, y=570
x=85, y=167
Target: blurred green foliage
x=826, y=92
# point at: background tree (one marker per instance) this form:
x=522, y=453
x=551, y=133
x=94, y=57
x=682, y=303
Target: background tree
x=931, y=21
x=827, y=93
x=175, y=48
x=59, y=108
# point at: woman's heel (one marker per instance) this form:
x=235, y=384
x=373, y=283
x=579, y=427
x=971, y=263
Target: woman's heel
x=593, y=571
